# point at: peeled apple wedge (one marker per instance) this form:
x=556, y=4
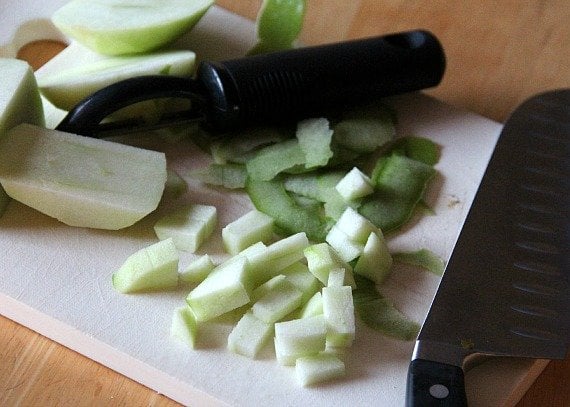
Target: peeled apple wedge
x=19, y=96
x=119, y=27
x=154, y=267
x=20, y=102
x=67, y=87
x=81, y=181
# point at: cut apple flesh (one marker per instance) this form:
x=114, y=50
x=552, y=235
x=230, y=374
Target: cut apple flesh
x=68, y=87
x=118, y=27
x=19, y=102
x=79, y=180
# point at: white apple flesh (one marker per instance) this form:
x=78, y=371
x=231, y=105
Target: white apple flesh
x=120, y=27
x=81, y=181
x=19, y=102
x=67, y=87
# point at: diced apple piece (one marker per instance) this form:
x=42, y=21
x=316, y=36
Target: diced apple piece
x=354, y=185
x=338, y=309
x=299, y=337
x=81, y=181
x=226, y=288
x=346, y=248
x=266, y=287
x=67, y=87
x=318, y=368
x=197, y=270
x=337, y=278
x=154, y=267
x=19, y=102
x=117, y=27
x=249, y=335
x=356, y=226
x=300, y=276
x=315, y=137
x=188, y=226
x=375, y=261
x=322, y=258
x=313, y=307
x=250, y=228
x=266, y=264
x=279, y=301
x=252, y=251
x=183, y=326
x=295, y=243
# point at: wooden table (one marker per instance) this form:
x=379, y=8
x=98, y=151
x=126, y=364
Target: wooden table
x=499, y=53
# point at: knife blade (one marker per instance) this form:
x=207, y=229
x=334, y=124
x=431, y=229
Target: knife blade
x=505, y=290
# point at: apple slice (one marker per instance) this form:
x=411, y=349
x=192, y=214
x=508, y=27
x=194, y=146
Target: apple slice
x=153, y=267
x=119, y=27
x=248, y=229
x=19, y=102
x=79, y=180
x=183, y=326
x=19, y=97
x=318, y=368
x=67, y=87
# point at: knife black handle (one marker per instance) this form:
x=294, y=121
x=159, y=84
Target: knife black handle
x=309, y=81
x=435, y=384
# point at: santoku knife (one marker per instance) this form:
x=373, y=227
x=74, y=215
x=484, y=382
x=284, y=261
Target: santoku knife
x=505, y=290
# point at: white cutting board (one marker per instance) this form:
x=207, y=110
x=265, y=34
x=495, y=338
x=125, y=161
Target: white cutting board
x=56, y=279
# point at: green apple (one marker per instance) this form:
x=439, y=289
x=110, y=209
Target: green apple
x=248, y=229
x=80, y=180
x=189, y=226
x=67, y=87
x=279, y=301
x=299, y=337
x=249, y=335
x=183, y=326
x=318, y=368
x=338, y=309
x=375, y=261
x=354, y=185
x=119, y=27
x=153, y=267
x=19, y=102
x=225, y=289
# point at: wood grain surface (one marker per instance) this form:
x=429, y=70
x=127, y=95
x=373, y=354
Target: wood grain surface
x=499, y=53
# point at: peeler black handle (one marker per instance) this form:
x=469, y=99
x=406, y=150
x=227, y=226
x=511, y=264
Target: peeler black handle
x=310, y=81
x=281, y=86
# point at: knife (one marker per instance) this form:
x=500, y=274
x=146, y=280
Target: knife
x=505, y=290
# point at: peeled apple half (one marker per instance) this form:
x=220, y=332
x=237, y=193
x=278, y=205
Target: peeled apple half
x=81, y=181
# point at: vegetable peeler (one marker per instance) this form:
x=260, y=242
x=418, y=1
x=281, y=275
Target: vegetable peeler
x=276, y=87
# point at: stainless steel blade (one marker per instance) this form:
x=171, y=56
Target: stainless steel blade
x=506, y=288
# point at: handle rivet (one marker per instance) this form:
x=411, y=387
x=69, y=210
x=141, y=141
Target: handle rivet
x=439, y=391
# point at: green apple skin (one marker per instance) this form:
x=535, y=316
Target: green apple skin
x=121, y=27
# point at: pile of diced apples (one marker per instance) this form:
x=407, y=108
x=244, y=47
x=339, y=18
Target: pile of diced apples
x=289, y=291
